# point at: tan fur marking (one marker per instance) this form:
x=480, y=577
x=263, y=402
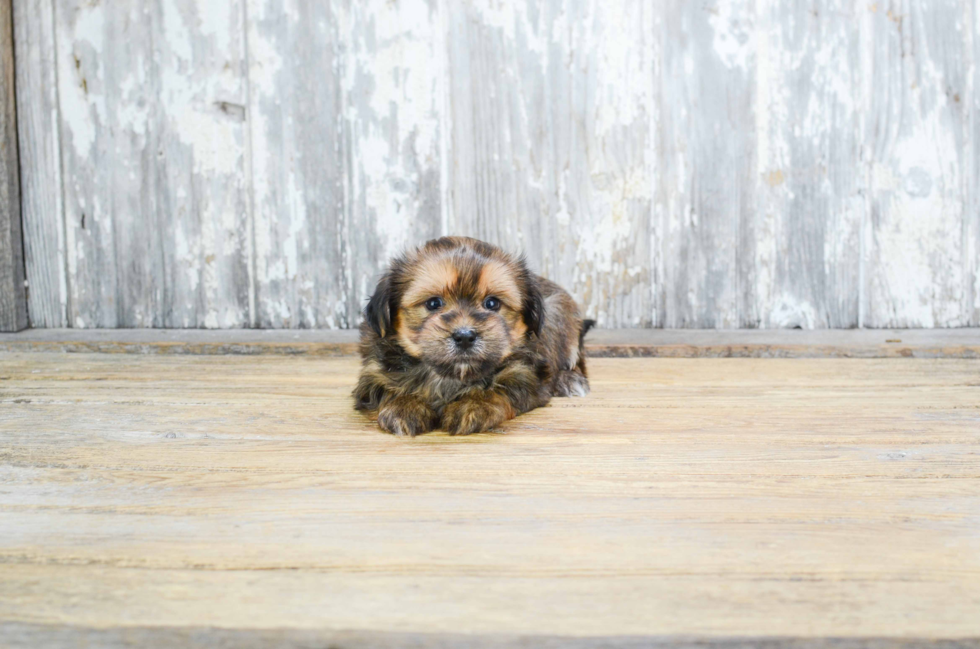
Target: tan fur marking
x=513, y=373
x=477, y=412
x=517, y=328
x=430, y=278
x=404, y=337
x=407, y=415
x=497, y=279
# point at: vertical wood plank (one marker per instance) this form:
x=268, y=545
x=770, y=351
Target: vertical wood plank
x=709, y=167
x=680, y=164
x=13, y=300
x=297, y=163
x=200, y=185
x=40, y=163
x=972, y=244
x=919, y=142
x=152, y=104
x=394, y=89
x=800, y=256
x=552, y=106
x=85, y=143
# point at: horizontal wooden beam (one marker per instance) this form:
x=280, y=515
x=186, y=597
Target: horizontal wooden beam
x=36, y=635
x=614, y=343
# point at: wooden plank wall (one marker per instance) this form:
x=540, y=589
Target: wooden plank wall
x=254, y=163
x=13, y=301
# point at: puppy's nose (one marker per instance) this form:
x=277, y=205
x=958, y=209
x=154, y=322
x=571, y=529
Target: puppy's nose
x=464, y=338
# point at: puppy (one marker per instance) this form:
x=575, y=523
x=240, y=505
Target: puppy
x=460, y=334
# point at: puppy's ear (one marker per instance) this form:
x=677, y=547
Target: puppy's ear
x=533, y=311
x=379, y=309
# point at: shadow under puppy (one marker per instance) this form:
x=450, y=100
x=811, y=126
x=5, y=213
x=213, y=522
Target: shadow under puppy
x=462, y=334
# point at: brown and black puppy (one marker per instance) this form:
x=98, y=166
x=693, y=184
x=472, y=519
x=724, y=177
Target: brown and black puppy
x=460, y=334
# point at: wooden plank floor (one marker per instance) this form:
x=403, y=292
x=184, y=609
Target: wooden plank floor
x=168, y=496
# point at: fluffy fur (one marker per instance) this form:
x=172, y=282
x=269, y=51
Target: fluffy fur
x=518, y=341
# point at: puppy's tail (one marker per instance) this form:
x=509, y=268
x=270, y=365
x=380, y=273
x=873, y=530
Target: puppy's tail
x=586, y=325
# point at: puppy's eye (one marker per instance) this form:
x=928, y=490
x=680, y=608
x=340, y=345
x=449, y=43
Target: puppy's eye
x=491, y=304
x=434, y=303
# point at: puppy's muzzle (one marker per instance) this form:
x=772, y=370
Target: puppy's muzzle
x=464, y=338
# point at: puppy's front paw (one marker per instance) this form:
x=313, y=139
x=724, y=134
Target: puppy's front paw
x=571, y=383
x=474, y=415
x=407, y=416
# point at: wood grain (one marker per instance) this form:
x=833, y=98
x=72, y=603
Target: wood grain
x=800, y=265
x=916, y=136
x=676, y=164
x=40, y=163
x=297, y=165
x=152, y=110
x=13, y=300
x=29, y=636
x=707, y=186
x=724, y=498
x=972, y=223
x=395, y=98
x=346, y=170
x=553, y=146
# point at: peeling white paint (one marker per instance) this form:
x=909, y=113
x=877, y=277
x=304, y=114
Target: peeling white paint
x=918, y=243
x=394, y=115
x=670, y=163
x=917, y=277
x=732, y=24
x=788, y=312
x=82, y=103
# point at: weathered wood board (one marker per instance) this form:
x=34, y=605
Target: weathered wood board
x=963, y=342
x=294, y=115
x=683, y=498
x=708, y=179
x=40, y=164
x=919, y=147
x=553, y=146
x=972, y=222
x=800, y=262
x=674, y=164
x=152, y=142
x=13, y=300
x=394, y=89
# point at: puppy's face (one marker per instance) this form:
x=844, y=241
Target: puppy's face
x=460, y=306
